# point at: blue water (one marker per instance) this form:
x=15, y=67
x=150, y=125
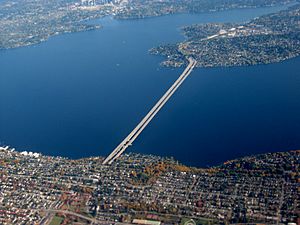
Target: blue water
x=80, y=94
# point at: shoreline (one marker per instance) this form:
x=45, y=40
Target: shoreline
x=36, y=155
x=89, y=22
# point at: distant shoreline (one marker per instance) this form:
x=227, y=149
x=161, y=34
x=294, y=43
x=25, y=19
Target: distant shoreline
x=83, y=27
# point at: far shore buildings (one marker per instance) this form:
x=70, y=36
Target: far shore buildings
x=99, y=2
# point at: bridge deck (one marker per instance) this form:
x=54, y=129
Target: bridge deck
x=146, y=120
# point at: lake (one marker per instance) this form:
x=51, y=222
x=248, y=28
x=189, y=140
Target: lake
x=80, y=94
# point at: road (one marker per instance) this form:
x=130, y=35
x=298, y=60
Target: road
x=146, y=120
x=93, y=221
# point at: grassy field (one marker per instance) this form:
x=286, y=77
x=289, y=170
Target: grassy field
x=56, y=220
x=202, y=221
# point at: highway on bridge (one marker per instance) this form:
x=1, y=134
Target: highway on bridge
x=146, y=120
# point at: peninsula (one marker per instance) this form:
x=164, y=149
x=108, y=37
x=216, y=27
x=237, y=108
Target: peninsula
x=267, y=39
